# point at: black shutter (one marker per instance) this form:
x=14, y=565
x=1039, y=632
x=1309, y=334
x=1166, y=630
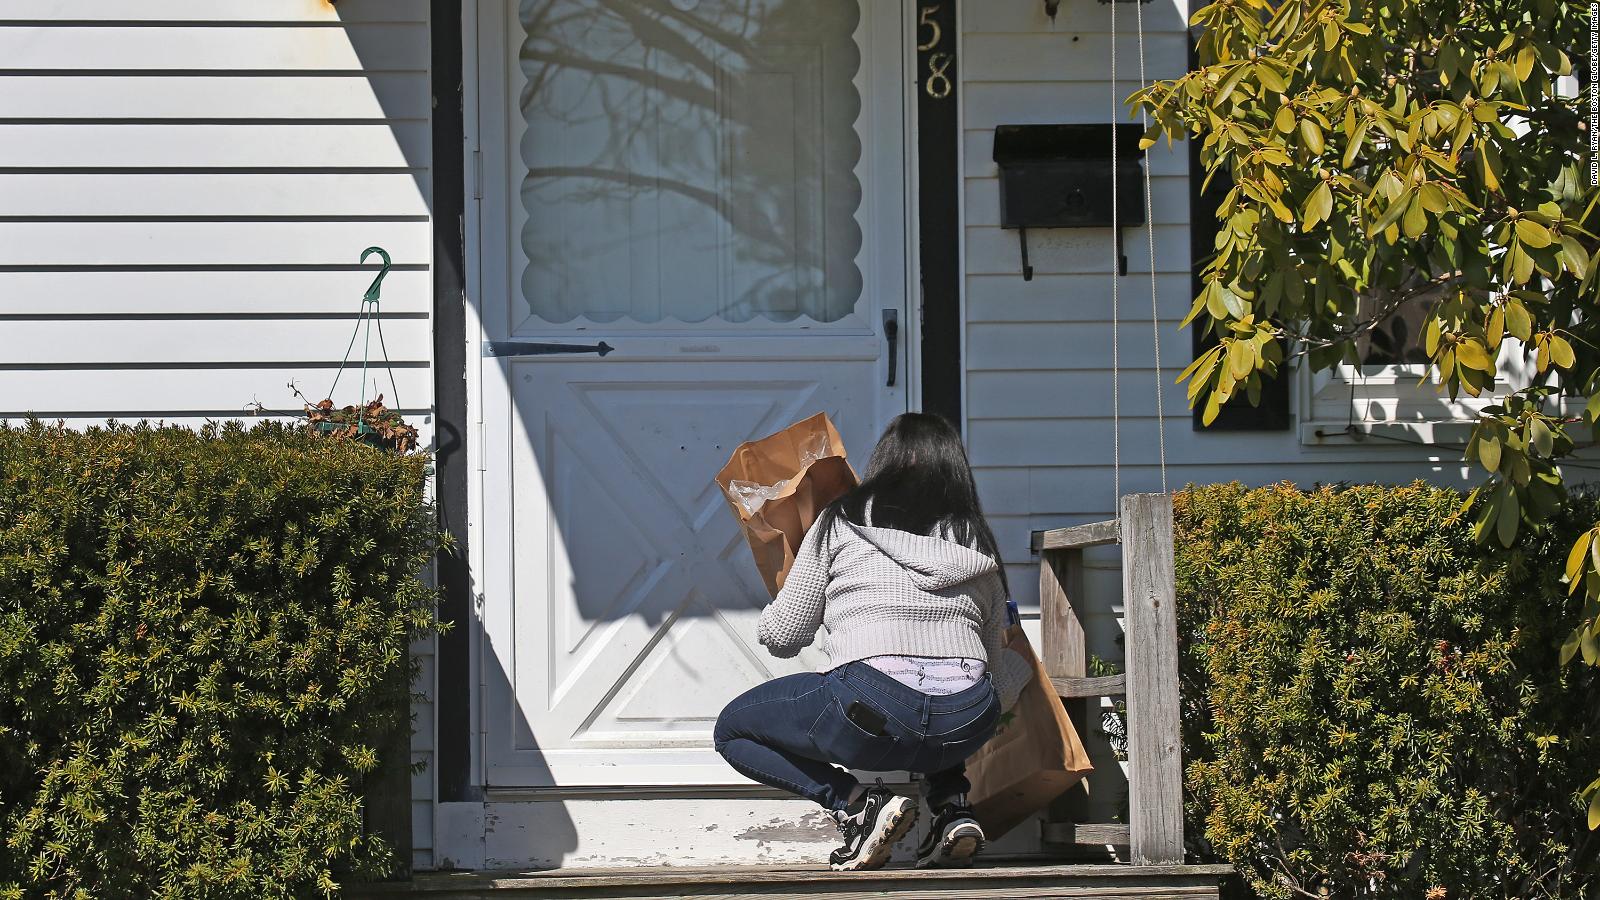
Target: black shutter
x=1272, y=414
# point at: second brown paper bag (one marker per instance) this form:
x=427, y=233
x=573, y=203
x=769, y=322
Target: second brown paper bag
x=1034, y=757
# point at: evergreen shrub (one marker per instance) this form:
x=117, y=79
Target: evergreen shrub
x=1374, y=705
x=204, y=638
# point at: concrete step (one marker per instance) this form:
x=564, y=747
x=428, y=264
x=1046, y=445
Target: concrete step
x=992, y=881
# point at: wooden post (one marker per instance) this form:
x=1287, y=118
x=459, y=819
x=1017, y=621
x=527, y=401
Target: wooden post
x=1065, y=655
x=1155, y=762
x=1061, y=629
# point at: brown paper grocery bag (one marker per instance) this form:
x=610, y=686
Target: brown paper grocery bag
x=1033, y=758
x=807, y=464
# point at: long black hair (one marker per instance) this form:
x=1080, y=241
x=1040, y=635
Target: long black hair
x=919, y=480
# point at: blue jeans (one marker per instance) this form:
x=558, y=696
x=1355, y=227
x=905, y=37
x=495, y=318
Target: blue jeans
x=792, y=732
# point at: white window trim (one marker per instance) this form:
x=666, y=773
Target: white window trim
x=1447, y=430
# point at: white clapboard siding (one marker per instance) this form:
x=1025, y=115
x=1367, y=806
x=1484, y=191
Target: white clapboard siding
x=1026, y=17
x=326, y=145
x=232, y=391
x=1080, y=297
x=145, y=195
x=249, y=243
x=1068, y=346
x=1070, y=495
x=389, y=96
x=1064, y=251
x=242, y=11
x=361, y=48
x=241, y=342
x=1078, y=56
x=186, y=187
x=286, y=293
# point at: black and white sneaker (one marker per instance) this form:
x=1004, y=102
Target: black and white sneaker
x=954, y=838
x=870, y=827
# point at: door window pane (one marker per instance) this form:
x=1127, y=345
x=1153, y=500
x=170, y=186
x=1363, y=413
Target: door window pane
x=691, y=161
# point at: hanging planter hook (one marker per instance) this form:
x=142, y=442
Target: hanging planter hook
x=377, y=283
x=369, y=316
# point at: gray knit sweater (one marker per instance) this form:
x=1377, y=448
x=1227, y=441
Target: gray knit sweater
x=880, y=591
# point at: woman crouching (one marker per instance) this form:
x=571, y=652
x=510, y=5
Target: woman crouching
x=903, y=576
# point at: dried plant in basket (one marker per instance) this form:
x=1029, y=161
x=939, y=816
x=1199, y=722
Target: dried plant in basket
x=383, y=427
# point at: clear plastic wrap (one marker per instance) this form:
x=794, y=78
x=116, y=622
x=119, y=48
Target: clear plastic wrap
x=750, y=496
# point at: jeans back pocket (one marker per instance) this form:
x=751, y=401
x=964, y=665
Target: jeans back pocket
x=842, y=741
x=968, y=731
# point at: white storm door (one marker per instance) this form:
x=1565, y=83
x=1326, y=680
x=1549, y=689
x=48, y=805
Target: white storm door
x=717, y=190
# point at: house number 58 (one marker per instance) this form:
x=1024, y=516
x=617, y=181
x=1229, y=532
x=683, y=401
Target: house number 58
x=937, y=83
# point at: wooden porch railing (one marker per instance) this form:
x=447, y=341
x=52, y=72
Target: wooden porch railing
x=1154, y=833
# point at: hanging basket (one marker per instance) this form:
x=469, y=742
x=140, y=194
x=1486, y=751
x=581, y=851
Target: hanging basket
x=370, y=422
x=374, y=425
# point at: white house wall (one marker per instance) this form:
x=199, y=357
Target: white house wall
x=185, y=189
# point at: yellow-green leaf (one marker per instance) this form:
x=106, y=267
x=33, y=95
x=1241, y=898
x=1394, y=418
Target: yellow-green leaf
x=1575, y=559
x=1202, y=365
x=1241, y=358
x=1518, y=322
x=1489, y=162
x=1356, y=141
x=1524, y=63
x=1214, y=304
x=1415, y=220
x=1569, y=649
x=1472, y=354
x=1576, y=260
x=1496, y=329
x=1489, y=454
x=1541, y=436
x=1270, y=79
x=1228, y=84
x=1532, y=233
x=1521, y=264
x=1318, y=206
x=1312, y=135
x=1433, y=199
x=1509, y=516
x=1561, y=352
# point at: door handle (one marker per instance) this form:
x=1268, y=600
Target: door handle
x=526, y=348
x=891, y=334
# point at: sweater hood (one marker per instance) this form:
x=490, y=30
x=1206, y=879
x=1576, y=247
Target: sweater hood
x=933, y=563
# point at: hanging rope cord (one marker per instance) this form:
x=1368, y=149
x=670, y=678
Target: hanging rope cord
x=369, y=315
x=1116, y=278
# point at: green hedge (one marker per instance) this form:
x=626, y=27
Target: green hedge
x=204, y=639
x=1374, y=705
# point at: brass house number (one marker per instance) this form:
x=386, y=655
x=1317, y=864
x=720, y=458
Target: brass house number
x=931, y=37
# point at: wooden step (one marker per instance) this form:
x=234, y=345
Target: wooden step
x=1000, y=881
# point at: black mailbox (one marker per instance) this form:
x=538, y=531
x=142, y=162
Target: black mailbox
x=1059, y=176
